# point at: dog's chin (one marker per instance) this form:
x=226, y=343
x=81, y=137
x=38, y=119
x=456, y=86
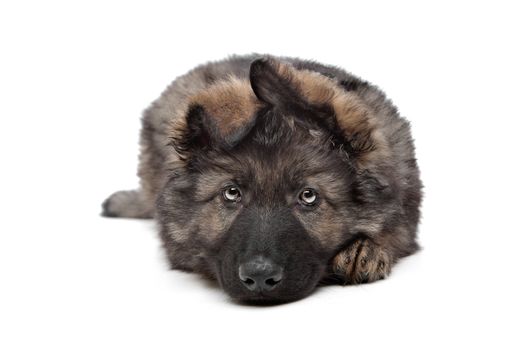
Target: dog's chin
x=270, y=300
x=264, y=301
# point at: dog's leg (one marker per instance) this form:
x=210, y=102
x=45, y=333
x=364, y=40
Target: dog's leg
x=128, y=204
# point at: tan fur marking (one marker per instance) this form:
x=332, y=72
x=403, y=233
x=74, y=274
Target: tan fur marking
x=231, y=102
x=326, y=225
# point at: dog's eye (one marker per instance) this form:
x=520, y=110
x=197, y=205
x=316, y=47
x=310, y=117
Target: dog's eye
x=231, y=194
x=308, y=197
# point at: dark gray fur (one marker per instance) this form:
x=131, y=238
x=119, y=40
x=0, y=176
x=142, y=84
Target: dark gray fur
x=378, y=205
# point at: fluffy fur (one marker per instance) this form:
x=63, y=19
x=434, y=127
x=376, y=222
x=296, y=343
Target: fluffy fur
x=273, y=127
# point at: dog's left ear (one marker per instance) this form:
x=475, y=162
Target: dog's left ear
x=321, y=99
x=272, y=82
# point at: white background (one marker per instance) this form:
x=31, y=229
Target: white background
x=74, y=78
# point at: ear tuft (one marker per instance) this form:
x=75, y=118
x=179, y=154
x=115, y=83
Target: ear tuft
x=272, y=82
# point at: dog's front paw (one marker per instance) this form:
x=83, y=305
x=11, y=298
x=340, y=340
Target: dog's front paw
x=362, y=262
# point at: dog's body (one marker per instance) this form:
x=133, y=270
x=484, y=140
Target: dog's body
x=272, y=174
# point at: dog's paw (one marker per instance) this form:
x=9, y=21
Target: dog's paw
x=362, y=262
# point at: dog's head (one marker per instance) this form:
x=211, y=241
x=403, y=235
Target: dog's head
x=272, y=178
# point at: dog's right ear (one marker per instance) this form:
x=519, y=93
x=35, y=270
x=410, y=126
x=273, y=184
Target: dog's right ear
x=191, y=135
x=198, y=135
x=203, y=130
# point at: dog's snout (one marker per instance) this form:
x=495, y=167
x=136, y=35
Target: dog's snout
x=260, y=274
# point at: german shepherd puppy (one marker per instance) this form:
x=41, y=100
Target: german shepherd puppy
x=273, y=174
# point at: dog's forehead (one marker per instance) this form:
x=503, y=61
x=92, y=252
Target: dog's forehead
x=297, y=164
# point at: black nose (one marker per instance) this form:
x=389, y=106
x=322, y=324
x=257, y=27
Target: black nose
x=260, y=274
